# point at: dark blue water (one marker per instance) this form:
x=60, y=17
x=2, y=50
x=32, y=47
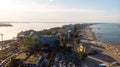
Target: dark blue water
x=109, y=33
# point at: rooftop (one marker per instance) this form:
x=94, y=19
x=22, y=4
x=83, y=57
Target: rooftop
x=21, y=56
x=48, y=36
x=34, y=58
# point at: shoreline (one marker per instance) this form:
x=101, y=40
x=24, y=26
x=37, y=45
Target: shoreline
x=96, y=39
x=113, y=47
x=5, y=25
x=89, y=35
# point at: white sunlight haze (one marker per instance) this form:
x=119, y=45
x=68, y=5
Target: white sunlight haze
x=31, y=11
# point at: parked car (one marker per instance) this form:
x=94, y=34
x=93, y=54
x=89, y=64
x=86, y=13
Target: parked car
x=103, y=65
x=92, y=52
x=116, y=64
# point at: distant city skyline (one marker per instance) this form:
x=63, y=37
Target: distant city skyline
x=60, y=10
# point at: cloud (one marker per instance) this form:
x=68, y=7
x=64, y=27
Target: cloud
x=51, y=0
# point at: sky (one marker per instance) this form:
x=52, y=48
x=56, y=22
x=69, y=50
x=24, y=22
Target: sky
x=60, y=11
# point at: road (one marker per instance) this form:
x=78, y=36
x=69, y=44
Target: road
x=103, y=56
x=5, y=62
x=68, y=59
x=76, y=57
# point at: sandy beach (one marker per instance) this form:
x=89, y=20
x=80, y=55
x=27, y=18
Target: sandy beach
x=107, y=53
x=89, y=35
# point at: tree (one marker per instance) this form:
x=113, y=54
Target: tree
x=64, y=44
x=32, y=46
x=12, y=62
x=64, y=41
x=47, y=47
x=75, y=29
x=69, y=48
x=76, y=34
x=82, y=55
x=57, y=43
x=37, y=46
x=77, y=40
x=29, y=49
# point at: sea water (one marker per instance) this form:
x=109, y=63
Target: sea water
x=107, y=32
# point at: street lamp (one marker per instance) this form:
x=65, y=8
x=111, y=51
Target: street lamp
x=2, y=38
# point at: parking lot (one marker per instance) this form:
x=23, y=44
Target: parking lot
x=66, y=60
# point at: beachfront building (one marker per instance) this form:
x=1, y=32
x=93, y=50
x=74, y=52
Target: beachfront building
x=26, y=33
x=61, y=32
x=84, y=47
x=69, y=34
x=51, y=41
x=70, y=29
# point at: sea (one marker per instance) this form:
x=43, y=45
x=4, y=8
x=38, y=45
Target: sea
x=11, y=31
x=107, y=32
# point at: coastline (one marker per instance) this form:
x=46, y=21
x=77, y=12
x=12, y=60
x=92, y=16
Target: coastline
x=5, y=25
x=107, y=53
x=89, y=35
x=107, y=32
x=112, y=47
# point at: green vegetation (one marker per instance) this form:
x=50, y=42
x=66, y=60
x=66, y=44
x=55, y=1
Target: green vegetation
x=82, y=55
x=76, y=34
x=25, y=38
x=57, y=42
x=44, y=32
x=12, y=62
x=75, y=29
x=52, y=60
x=32, y=46
x=64, y=41
x=77, y=40
x=69, y=48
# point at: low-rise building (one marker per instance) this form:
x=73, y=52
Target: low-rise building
x=84, y=47
x=36, y=60
x=70, y=29
x=26, y=33
x=22, y=56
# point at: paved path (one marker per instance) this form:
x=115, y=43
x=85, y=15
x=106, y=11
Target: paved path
x=103, y=56
x=96, y=59
x=106, y=52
